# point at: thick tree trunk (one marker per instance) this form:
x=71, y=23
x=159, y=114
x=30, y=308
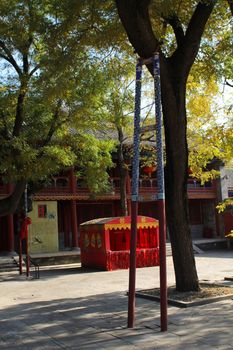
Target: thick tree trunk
x=9, y=204
x=176, y=176
x=123, y=199
x=230, y=2
x=174, y=72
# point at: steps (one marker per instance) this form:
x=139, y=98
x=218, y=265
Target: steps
x=59, y=258
x=202, y=245
x=8, y=263
x=211, y=243
x=168, y=249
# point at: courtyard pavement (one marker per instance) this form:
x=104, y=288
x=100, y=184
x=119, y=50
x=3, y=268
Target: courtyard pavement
x=75, y=308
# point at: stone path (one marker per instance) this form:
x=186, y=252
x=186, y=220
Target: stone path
x=74, y=308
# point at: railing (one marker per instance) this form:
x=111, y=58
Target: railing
x=197, y=184
x=61, y=184
x=197, y=190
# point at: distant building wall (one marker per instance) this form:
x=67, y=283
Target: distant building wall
x=43, y=232
x=226, y=178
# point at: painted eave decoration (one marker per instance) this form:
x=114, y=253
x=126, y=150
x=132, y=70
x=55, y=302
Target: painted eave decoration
x=118, y=223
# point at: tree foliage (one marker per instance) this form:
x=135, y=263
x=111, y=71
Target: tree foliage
x=51, y=71
x=208, y=127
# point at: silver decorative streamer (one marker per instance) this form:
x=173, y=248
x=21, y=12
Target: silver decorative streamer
x=136, y=140
x=158, y=116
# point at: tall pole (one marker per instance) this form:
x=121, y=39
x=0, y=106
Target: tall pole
x=26, y=213
x=10, y=222
x=160, y=196
x=134, y=197
x=20, y=247
x=74, y=223
x=20, y=257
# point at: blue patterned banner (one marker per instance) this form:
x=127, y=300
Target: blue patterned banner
x=158, y=117
x=136, y=139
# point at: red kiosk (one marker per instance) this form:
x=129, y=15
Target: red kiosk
x=105, y=242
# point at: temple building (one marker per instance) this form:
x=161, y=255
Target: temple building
x=60, y=208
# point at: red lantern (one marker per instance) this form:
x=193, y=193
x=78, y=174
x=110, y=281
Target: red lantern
x=149, y=170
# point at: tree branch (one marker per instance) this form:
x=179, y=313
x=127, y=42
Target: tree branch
x=9, y=58
x=228, y=84
x=136, y=21
x=177, y=28
x=10, y=203
x=25, y=63
x=19, y=111
x=5, y=131
x=187, y=52
x=53, y=124
x=34, y=70
x=230, y=2
x=147, y=128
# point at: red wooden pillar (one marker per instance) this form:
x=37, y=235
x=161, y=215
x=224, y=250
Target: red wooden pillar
x=132, y=268
x=66, y=223
x=217, y=216
x=10, y=224
x=74, y=222
x=116, y=208
x=20, y=257
x=20, y=245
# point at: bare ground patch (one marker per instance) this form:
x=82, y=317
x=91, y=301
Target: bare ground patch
x=208, y=293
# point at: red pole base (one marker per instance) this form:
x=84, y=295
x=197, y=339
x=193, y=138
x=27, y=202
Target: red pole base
x=132, y=267
x=27, y=259
x=163, y=267
x=20, y=257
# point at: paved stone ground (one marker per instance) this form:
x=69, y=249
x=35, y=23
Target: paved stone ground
x=75, y=308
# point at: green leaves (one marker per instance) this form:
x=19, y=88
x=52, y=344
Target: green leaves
x=51, y=50
x=221, y=207
x=208, y=136
x=95, y=159
x=71, y=57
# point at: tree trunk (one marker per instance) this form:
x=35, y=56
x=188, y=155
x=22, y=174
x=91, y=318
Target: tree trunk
x=176, y=177
x=123, y=174
x=123, y=199
x=230, y=2
x=9, y=204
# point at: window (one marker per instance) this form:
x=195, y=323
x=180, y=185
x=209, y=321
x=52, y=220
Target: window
x=42, y=211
